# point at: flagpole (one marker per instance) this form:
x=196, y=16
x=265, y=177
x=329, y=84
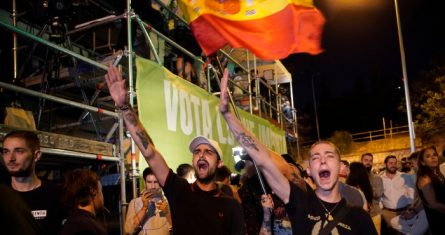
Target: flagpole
x=405, y=80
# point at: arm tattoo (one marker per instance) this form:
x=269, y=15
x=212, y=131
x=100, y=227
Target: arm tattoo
x=143, y=136
x=246, y=141
x=131, y=118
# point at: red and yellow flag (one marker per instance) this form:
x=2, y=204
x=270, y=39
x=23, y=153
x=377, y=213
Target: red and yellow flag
x=271, y=29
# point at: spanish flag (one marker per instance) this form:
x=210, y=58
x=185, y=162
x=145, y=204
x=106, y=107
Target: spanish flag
x=271, y=29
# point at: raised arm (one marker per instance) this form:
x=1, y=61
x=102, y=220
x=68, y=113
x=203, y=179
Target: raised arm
x=256, y=150
x=116, y=85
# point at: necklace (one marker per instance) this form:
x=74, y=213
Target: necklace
x=329, y=216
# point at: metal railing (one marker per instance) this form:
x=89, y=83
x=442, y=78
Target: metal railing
x=380, y=134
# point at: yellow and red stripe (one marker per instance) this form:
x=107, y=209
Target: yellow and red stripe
x=271, y=29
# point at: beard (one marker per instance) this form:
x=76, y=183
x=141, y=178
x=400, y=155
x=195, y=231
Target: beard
x=21, y=172
x=207, y=179
x=392, y=170
x=368, y=168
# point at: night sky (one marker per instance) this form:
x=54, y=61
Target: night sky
x=358, y=79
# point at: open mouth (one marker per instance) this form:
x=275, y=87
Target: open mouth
x=203, y=165
x=324, y=174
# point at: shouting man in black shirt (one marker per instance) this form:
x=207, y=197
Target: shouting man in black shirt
x=322, y=211
x=198, y=208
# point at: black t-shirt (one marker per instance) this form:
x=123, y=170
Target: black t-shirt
x=15, y=215
x=308, y=215
x=198, y=212
x=81, y=222
x=46, y=206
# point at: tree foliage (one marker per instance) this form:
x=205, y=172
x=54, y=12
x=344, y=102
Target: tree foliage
x=343, y=140
x=428, y=104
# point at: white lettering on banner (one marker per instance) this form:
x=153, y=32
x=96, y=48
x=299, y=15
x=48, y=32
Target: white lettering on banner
x=196, y=104
x=39, y=214
x=206, y=120
x=185, y=113
x=221, y=138
x=271, y=139
x=249, y=124
x=171, y=105
x=195, y=117
x=229, y=139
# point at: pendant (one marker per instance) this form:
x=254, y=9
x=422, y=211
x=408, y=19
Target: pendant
x=330, y=218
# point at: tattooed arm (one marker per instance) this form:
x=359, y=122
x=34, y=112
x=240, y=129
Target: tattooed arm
x=116, y=85
x=256, y=150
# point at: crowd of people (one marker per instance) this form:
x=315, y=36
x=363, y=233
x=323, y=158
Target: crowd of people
x=330, y=196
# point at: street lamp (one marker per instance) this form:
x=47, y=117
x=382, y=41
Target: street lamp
x=405, y=80
x=315, y=107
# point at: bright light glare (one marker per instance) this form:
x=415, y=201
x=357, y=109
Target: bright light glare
x=354, y=4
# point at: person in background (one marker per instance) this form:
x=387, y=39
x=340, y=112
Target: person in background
x=268, y=206
x=344, y=171
x=187, y=172
x=431, y=187
x=83, y=195
x=413, y=220
x=358, y=178
x=406, y=165
x=21, y=152
x=398, y=192
x=442, y=165
x=149, y=214
x=377, y=191
x=223, y=178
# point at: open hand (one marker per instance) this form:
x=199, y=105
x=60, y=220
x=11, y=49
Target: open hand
x=116, y=86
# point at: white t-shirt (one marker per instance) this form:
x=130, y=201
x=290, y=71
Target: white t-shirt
x=398, y=192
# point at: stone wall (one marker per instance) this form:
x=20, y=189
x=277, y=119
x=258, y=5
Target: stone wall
x=398, y=146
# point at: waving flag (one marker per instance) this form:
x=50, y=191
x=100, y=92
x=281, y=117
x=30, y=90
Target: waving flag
x=271, y=29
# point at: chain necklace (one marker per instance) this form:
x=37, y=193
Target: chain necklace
x=329, y=216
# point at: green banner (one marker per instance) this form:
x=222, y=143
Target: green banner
x=174, y=111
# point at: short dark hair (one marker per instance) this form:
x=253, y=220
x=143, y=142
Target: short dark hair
x=147, y=171
x=345, y=162
x=31, y=139
x=183, y=169
x=79, y=187
x=389, y=157
x=288, y=158
x=366, y=154
x=222, y=173
x=414, y=156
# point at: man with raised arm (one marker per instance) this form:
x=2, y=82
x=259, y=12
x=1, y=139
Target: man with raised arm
x=310, y=211
x=198, y=208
